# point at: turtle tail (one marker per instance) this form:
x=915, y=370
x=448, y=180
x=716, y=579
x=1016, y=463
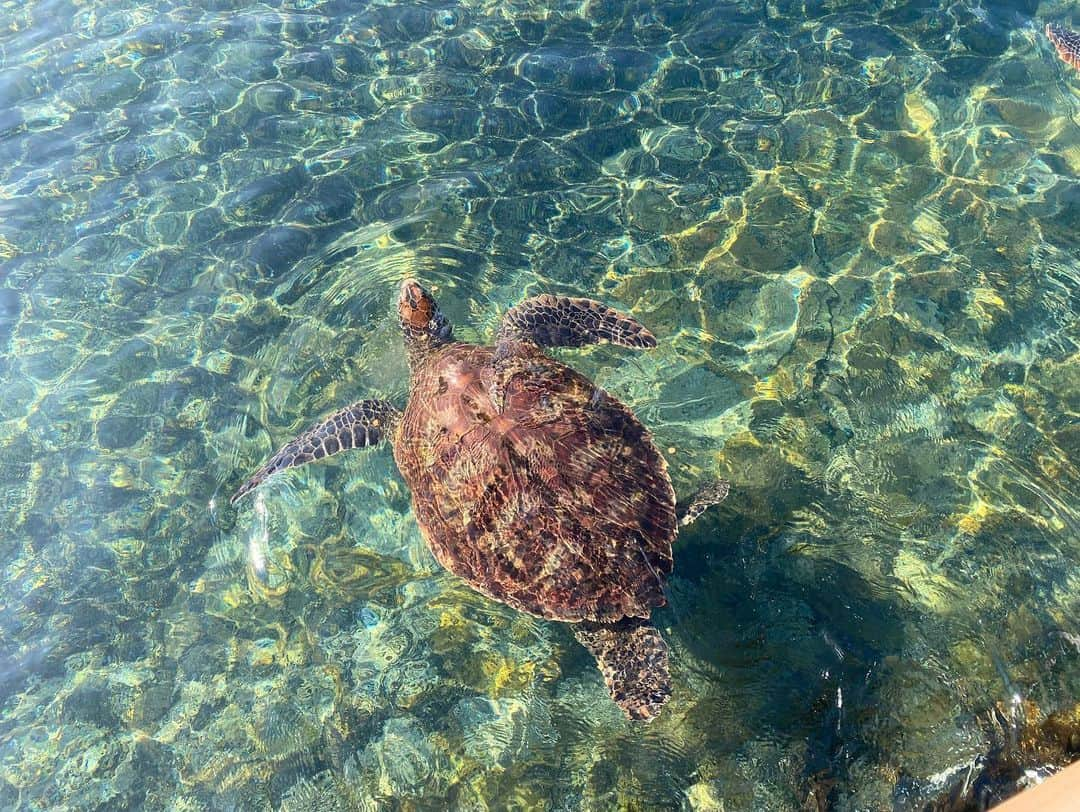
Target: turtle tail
x=633, y=658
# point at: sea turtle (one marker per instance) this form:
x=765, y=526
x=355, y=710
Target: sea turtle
x=529, y=481
x=1066, y=42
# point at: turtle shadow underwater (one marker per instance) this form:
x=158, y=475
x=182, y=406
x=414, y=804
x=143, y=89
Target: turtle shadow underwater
x=781, y=646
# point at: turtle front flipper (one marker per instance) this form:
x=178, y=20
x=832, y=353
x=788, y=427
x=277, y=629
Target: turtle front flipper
x=359, y=424
x=559, y=321
x=1066, y=42
x=633, y=658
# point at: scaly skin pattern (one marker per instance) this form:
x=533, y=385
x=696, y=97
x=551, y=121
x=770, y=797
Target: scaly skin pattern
x=359, y=424
x=558, y=321
x=633, y=658
x=1066, y=43
x=557, y=503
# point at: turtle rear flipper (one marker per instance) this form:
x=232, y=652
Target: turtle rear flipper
x=711, y=493
x=633, y=658
x=358, y=425
x=559, y=321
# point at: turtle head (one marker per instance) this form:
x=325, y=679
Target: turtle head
x=422, y=323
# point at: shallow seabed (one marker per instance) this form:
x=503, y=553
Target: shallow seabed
x=853, y=227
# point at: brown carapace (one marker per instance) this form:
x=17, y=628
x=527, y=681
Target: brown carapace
x=530, y=482
x=1066, y=42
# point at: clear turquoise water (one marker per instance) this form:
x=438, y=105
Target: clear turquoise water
x=853, y=227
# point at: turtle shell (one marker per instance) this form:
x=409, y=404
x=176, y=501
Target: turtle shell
x=558, y=505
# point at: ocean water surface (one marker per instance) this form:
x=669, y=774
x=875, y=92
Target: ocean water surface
x=852, y=227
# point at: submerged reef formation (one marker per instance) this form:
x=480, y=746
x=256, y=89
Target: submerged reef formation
x=1026, y=747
